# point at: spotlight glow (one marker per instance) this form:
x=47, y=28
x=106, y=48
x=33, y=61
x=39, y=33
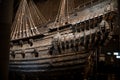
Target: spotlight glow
x=116, y=53
x=118, y=57
x=109, y=53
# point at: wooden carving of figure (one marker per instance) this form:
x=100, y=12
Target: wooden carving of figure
x=102, y=39
x=55, y=48
x=67, y=47
x=97, y=38
x=30, y=42
x=51, y=49
x=91, y=41
x=59, y=47
x=12, y=54
x=21, y=43
x=36, y=52
x=23, y=53
x=70, y=39
x=105, y=28
x=67, y=41
x=102, y=26
x=63, y=44
x=81, y=38
x=76, y=41
x=58, y=43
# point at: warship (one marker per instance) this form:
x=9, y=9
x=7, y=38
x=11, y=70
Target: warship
x=70, y=42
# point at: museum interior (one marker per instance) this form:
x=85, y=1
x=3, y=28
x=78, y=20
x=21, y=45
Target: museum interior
x=60, y=39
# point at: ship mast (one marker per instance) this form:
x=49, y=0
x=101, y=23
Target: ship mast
x=27, y=20
x=37, y=16
x=64, y=11
x=63, y=16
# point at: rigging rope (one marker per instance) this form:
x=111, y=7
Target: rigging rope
x=26, y=20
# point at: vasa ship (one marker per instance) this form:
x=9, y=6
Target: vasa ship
x=68, y=43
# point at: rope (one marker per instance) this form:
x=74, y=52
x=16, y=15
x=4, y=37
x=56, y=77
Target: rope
x=26, y=19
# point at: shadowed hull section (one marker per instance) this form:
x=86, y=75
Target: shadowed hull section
x=56, y=63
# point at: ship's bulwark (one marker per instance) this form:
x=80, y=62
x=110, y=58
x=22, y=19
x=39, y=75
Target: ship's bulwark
x=70, y=48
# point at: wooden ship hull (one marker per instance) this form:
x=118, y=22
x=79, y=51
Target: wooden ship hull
x=66, y=47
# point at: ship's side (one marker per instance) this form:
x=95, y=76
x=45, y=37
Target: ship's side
x=66, y=47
